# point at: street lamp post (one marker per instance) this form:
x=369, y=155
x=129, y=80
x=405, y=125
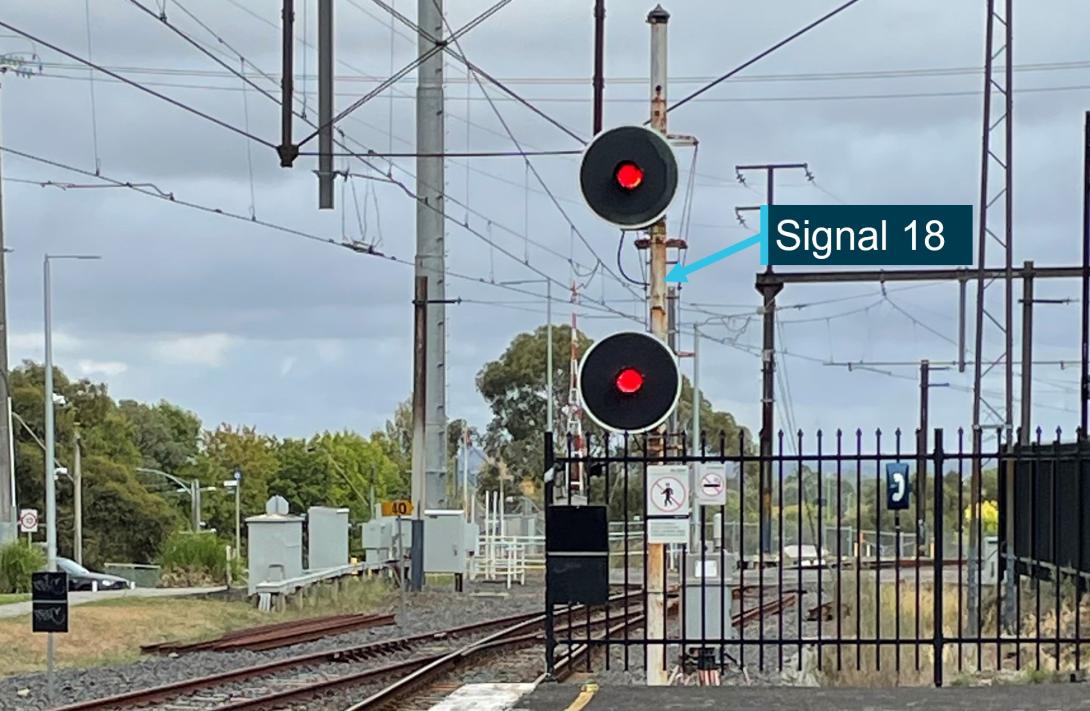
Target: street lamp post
x=50, y=444
x=238, y=516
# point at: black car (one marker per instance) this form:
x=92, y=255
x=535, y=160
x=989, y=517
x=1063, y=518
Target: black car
x=79, y=578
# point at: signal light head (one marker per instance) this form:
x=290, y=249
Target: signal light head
x=629, y=175
x=629, y=381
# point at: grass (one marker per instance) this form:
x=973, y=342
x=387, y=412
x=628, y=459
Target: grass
x=8, y=598
x=112, y=631
x=1013, y=663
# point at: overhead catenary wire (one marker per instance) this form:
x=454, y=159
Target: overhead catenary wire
x=154, y=191
x=761, y=55
x=137, y=85
x=529, y=163
x=276, y=100
x=477, y=71
x=365, y=77
x=420, y=59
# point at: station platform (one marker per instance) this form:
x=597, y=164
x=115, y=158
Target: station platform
x=571, y=697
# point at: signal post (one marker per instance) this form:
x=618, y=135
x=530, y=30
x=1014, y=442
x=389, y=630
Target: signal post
x=656, y=552
x=629, y=177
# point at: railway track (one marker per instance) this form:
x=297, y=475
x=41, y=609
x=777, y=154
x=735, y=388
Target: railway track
x=274, y=683
x=283, y=634
x=427, y=685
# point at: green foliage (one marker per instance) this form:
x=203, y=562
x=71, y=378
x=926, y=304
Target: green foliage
x=167, y=436
x=196, y=557
x=122, y=520
x=514, y=387
x=338, y=469
x=17, y=562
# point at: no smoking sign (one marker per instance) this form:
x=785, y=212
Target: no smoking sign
x=710, y=484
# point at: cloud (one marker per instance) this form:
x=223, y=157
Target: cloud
x=286, y=365
x=206, y=349
x=101, y=367
x=33, y=342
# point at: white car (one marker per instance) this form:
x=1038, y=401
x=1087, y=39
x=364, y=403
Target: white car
x=804, y=555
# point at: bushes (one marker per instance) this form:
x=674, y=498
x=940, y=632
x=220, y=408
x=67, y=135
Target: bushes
x=17, y=562
x=195, y=559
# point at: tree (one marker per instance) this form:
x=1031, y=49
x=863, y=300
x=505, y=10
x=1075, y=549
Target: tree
x=167, y=436
x=514, y=387
x=340, y=469
x=224, y=450
x=122, y=520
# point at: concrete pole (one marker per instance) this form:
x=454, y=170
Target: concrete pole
x=658, y=18
x=921, y=460
x=238, y=519
x=551, y=400
x=8, y=510
x=325, y=104
x=77, y=502
x=695, y=446
x=430, y=242
x=1027, y=355
x=418, y=479
x=1010, y=582
x=195, y=505
x=50, y=459
x=465, y=473
x=694, y=440
x=50, y=445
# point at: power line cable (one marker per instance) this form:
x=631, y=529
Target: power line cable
x=420, y=59
x=302, y=114
x=152, y=190
x=529, y=163
x=476, y=70
x=137, y=85
x=762, y=55
x=412, y=194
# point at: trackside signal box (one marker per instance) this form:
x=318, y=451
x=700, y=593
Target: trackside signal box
x=576, y=555
x=49, y=602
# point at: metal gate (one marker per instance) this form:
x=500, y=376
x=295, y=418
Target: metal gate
x=836, y=571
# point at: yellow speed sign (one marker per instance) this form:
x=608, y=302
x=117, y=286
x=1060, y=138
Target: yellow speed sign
x=397, y=507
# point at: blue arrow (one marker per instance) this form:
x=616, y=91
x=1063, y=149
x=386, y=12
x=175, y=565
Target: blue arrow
x=680, y=272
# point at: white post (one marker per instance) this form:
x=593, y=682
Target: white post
x=465, y=473
x=50, y=465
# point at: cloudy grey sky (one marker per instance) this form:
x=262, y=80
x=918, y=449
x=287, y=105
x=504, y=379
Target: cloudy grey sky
x=248, y=325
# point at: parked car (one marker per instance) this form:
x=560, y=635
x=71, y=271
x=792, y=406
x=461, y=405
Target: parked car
x=80, y=578
x=804, y=556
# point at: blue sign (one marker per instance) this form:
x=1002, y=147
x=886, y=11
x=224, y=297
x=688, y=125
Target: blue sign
x=834, y=235
x=238, y=475
x=898, y=487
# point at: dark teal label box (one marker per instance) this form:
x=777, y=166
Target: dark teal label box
x=867, y=235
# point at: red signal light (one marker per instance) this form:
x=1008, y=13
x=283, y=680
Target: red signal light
x=629, y=175
x=629, y=381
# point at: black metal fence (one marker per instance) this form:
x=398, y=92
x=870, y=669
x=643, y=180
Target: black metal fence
x=836, y=568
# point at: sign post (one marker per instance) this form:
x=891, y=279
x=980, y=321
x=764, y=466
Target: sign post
x=49, y=605
x=28, y=523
